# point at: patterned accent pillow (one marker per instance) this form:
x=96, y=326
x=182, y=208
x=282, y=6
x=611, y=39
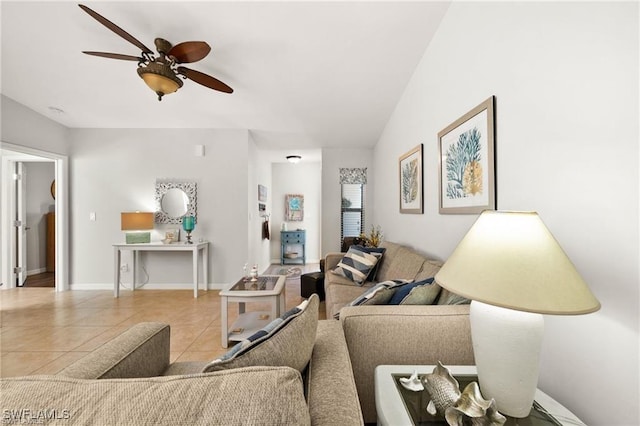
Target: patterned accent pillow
x=422, y=292
x=377, y=252
x=286, y=341
x=379, y=294
x=357, y=264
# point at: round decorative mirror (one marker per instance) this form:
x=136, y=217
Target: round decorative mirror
x=175, y=200
x=174, y=203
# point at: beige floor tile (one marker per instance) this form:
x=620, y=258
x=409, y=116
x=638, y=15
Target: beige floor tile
x=205, y=356
x=25, y=363
x=44, y=331
x=208, y=340
x=58, y=364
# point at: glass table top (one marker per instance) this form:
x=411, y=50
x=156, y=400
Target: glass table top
x=262, y=283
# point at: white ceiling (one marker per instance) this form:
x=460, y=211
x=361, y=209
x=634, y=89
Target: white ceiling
x=305, y=74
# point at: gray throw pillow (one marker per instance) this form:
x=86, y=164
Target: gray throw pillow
x=422, y=295
x=287, y=341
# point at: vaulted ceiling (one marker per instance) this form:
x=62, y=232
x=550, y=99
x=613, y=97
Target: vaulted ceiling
x=305, y=74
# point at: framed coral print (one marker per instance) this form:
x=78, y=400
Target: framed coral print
x=410, y=165
x=294, y=207
x=467, y=162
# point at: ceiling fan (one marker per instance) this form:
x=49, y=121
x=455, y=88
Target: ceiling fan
x=162, y=73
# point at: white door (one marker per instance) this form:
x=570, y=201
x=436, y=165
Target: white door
x=21, y=223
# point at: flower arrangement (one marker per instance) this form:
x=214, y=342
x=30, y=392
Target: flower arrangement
x=374, y=238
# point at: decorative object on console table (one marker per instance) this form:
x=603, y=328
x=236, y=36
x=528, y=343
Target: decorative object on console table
x=294, y=207
x=466, y=162
x=171, y=236
x=188, y=224
x=514, y=270
x=410, y=165
x=136, y=221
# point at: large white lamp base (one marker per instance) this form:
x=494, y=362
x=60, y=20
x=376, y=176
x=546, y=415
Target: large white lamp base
x=506, y=346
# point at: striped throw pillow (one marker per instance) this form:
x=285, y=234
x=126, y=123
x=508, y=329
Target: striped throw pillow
x=357, y=264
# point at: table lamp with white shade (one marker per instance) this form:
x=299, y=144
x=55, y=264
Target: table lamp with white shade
x=512, y=268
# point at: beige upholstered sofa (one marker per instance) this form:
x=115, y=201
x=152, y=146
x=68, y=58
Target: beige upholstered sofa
x=379, y=335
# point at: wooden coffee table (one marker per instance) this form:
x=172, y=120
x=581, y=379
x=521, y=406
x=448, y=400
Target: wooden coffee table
x=266, y=289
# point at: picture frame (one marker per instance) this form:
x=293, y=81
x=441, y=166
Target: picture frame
x=411, y=181
x=294, y=207
x=172, y=235
x=262, y=193
x=466, y=163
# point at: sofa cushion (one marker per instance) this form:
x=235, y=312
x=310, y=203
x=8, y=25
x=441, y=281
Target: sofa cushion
x=357, y=264
x=286, y=341
x=253, y=395
x=429, y=269
x=423, y=292
x=399, y=263
x=379, y=294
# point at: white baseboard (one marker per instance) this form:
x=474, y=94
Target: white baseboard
x=277, y=262
x=149, y=286
x=36, y=271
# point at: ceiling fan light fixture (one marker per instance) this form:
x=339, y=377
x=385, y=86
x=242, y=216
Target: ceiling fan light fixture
x=160, y=78
x=294, y=158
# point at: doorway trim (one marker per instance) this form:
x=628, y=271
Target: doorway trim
x=62, y=215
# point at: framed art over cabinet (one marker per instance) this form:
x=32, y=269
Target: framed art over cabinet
x=467, y=162
x=294, y=207
x=410, y=165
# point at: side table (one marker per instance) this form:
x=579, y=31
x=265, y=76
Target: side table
x=391, y=409
x=266, y=289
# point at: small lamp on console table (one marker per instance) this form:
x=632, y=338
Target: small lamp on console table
x=514, y=271
x=137, y=221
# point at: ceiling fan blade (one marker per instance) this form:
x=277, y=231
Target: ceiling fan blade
x=116, y=29
x=189, y=51
x=204, y=79
x=115, y=56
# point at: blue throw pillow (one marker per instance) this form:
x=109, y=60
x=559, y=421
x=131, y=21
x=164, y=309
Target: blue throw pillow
x=403, y=291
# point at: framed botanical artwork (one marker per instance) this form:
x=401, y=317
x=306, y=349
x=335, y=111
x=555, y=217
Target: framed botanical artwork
x=294, y=207
x=467, y=162
x=262, y=193
x=410, y=165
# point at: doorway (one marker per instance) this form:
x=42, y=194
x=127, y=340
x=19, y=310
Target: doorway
x=18, y=230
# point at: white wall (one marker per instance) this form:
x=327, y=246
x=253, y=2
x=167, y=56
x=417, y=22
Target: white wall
x=259, y=174
x=302, y=178
x=333, y=159
x=565, y=77
x=114, y=170
x=23, y=126
x=39, y=202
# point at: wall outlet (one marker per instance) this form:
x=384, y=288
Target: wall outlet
x=124, y=267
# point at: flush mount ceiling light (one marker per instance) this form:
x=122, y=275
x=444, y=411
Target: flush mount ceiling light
x=294, y=158
x=162, y=73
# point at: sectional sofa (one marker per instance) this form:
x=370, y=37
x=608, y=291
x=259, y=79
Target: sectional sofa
x=309, y=372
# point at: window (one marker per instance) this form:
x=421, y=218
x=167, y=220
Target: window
x=352, y=214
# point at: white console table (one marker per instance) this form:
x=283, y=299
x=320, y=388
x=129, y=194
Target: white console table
x=195, y=249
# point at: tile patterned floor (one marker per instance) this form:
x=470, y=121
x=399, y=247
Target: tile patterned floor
x=41, y=331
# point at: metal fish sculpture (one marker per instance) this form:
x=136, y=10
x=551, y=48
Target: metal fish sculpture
x=458, y=409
